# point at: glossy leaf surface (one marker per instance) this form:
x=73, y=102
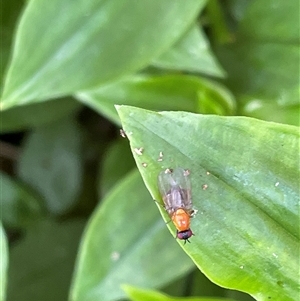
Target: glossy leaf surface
x=100, y=41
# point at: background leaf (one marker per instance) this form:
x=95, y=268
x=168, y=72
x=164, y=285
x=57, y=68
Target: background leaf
x=110, y=175
x=143, y=256
x=43, y=261
x=246, y=228
x=263, y=61
x=19, y=205
x=9, y=13
x=137, y=294
x=101, y=41
x=169, y=92
x=3, y=263
x=191, y=53
x=51, y=163
x=37, y=114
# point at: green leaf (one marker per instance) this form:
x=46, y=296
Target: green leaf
x=245, y=179
x=37, y=114
x=100, y=41
x=109, y=177
x=237, y=9
x=270, y=110
x=168, y=92
x=51, y=163
x=43, y=261
x=263, y=61
x=9, y=14
x=126, y=242
x=202, y=286
x=19, y=205
x=3, y=263
x=218, y=25
x=272, y=14
x=137, y=294
x=191, y=53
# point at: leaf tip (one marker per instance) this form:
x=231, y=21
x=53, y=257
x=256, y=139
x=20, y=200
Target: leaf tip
x=117, y=107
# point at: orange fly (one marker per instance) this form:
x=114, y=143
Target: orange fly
x=175, y=189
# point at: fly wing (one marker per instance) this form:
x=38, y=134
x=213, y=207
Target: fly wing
x=165, y=186
x=181, y=177
x=175, y=189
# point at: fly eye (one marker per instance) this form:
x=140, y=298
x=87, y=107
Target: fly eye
x=185, y=235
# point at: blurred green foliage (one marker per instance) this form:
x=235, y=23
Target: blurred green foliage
x=65, y=64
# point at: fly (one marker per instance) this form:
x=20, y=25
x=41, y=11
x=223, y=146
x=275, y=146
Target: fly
x=175, y=189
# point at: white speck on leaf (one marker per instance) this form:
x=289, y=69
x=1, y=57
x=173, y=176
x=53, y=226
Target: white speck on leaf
x=115, y=256
x=139, y=151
